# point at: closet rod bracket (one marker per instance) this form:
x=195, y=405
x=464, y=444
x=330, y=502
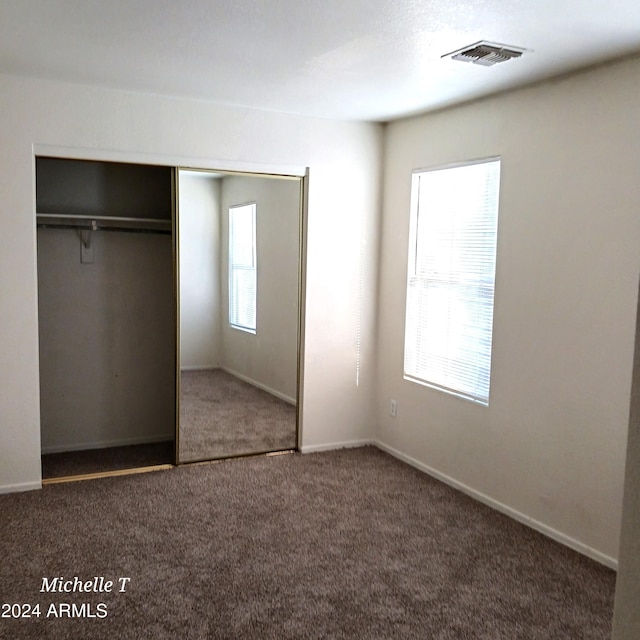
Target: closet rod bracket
x=86, y=235
x=86, y=250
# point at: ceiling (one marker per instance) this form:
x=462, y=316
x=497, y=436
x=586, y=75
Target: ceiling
x=348, y=59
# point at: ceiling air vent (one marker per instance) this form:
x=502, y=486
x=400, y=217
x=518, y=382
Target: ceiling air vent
x=485, y=53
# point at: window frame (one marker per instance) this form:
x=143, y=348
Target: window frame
x=477, y=395
x=237, y=267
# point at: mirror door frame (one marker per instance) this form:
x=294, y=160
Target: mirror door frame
x=303, y=180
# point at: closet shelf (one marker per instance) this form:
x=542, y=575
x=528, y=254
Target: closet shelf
x=112, y=223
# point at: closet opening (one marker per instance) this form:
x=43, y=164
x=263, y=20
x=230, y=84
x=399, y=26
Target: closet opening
x=106, y=316
x=152, y=352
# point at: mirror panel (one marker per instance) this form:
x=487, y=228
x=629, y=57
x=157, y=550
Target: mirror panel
x=238, y=372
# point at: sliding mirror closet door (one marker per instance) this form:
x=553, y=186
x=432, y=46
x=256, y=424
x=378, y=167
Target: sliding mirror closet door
x=239, y=266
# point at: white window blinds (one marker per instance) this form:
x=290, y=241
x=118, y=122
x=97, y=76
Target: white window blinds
x=450, y=287
x=242, y=267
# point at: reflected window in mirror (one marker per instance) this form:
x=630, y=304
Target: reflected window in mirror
x=242, y=267
x=237, y=389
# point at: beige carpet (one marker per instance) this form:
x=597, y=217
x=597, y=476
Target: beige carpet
x=222, y=416
x=344, y=544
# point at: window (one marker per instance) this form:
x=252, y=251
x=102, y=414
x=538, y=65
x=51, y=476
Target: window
x=242, y=267
x=450, y=284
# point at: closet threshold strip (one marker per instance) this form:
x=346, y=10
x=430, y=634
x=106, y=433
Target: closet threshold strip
x=107, y=474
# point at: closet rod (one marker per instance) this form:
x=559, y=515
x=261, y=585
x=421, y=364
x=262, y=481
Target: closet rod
x=104, y=222
x=74, y=216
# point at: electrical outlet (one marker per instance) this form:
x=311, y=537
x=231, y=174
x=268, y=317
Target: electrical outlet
x=393, y=408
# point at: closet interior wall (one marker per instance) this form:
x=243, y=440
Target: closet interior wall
x=106, y=306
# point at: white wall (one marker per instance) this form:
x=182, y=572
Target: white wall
x=267, y=358
x=551, y=445
x=107, y=340
x=626, y=618
x=344, y=161
x=199, y=239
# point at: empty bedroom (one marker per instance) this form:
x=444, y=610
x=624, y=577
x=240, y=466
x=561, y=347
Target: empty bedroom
x=319, y=320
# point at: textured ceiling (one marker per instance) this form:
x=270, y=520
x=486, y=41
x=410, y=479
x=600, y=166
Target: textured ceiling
x=354, y=59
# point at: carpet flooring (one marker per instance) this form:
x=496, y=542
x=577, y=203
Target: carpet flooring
x=222, y=416
x=342, y=544
x=73, y=463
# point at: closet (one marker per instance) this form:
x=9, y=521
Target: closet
x=107, y=315
x=141, y=362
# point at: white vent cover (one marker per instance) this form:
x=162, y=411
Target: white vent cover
x=485, y=53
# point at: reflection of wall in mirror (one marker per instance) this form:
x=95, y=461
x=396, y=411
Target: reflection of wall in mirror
x=199, y=238
x=269, y=358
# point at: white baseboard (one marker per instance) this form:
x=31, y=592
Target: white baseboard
x=199, y=367
x=259, y=385
x=349, y=444
x=22, y=486
x=558, y=536
x=104, y=444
